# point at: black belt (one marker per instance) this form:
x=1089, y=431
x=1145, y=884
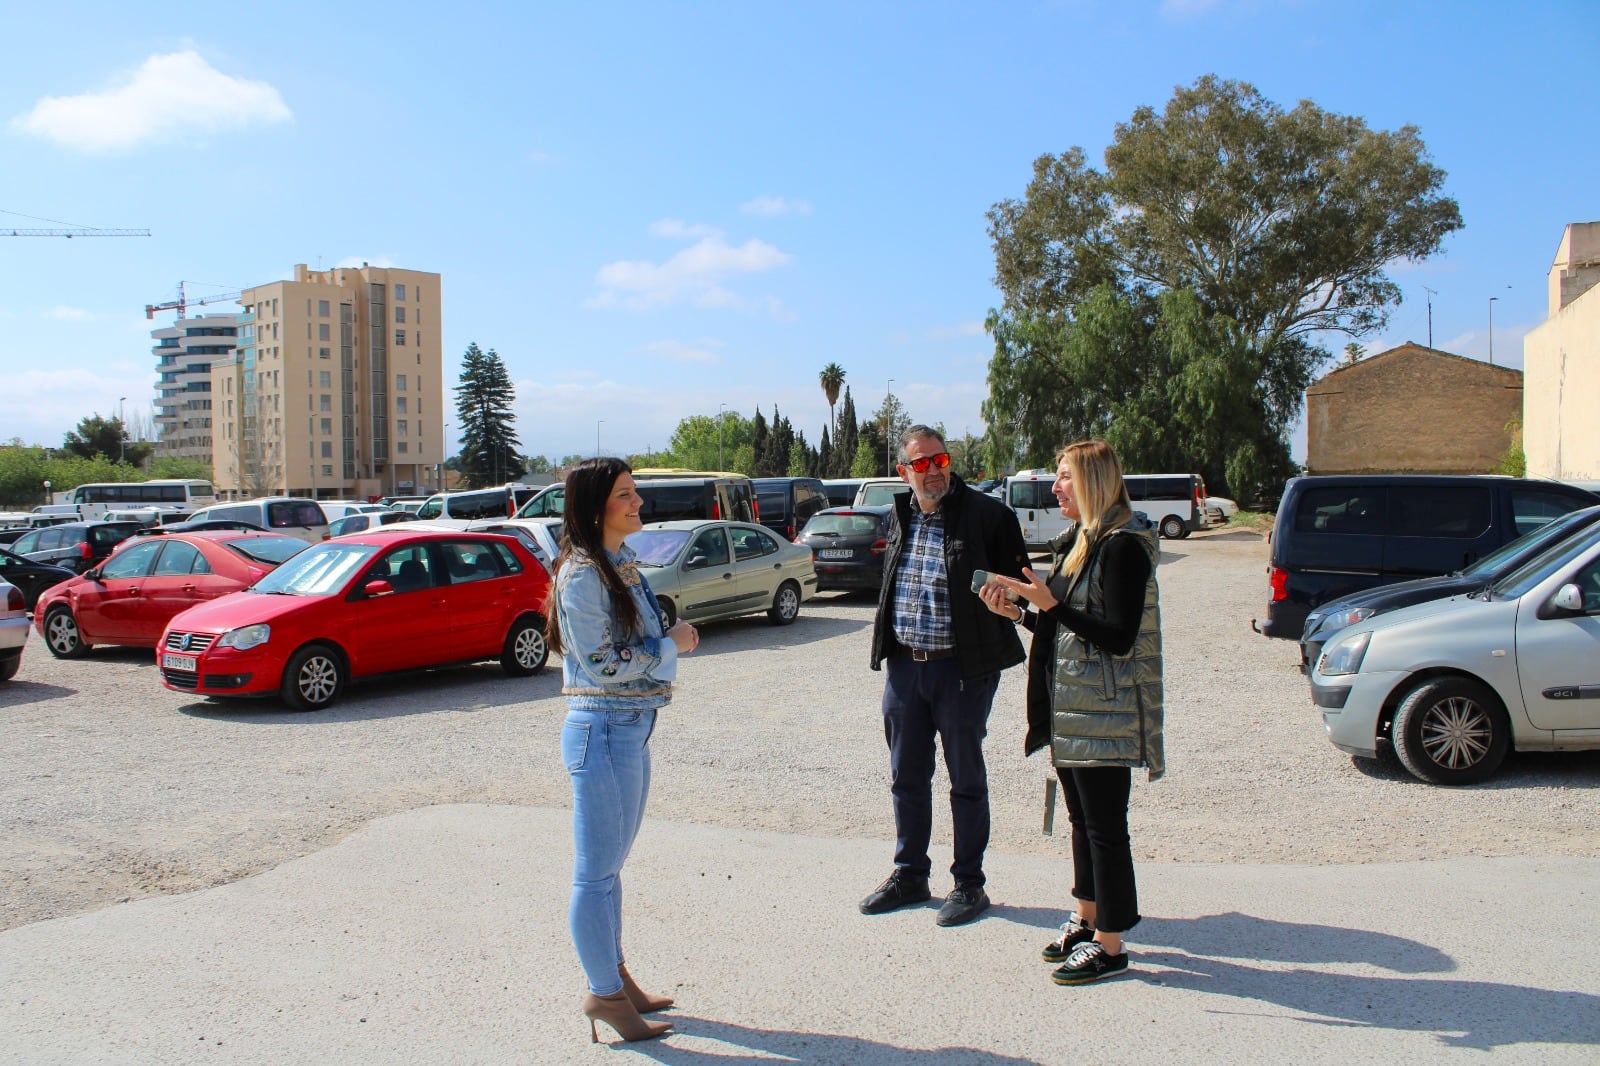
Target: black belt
x=930, y=656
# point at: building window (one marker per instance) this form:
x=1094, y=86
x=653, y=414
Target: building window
x=400, y=447
x=401, y=427
x=325, y=378
x=399, y=338
x=327, y=449
x=399, y=405
x=417, y=317
x=322, y=353
x=323, y=333
x=399, y=383
x=399, y=292
x=327, y=470
x=322, y=308
x=325, y=402
x=399, y=316
x=327, y=425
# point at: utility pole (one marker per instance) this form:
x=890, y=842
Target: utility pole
x=888, y=445
x=1431, y=295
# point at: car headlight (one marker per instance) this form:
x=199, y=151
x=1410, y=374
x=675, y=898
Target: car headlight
x=1345, y=656
x=1341, y=619
x=246, y=638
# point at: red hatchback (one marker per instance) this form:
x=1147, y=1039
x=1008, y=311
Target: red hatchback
x=369, y=603
x=129, y=598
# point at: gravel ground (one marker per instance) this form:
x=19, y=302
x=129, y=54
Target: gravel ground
x=112, y=787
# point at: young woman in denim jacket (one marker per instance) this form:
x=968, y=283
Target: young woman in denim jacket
x=618, y=664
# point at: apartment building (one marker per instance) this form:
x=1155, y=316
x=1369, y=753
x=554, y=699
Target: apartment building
x=335, y=388
x=185, y=352
x=1561, y=435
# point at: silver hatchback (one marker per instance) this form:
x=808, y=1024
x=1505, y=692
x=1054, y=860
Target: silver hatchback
x=1453, y=685
x=705, y=570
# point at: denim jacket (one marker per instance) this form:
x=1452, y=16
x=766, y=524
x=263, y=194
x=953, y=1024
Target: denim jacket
x=598, y=673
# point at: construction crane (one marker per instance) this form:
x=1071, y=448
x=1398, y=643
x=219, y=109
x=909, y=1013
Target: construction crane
x=70, y=233
x=183, y=303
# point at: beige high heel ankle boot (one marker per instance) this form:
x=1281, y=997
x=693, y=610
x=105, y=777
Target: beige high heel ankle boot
x=619, y=1012
x=642, y=1001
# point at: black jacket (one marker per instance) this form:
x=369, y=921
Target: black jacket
x=980, y=533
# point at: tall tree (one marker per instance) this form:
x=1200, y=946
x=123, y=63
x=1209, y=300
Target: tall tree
x=832, y=378
x=1281, y=224
x=845, y=439
x=108, y=437
x=489, y=443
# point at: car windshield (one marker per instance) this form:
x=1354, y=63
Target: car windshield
x=274, y=550
x=878, y=495
x=320, y=570
x=1529, y=544
x=841, y=525
x=658, y=547
x=1535, y=570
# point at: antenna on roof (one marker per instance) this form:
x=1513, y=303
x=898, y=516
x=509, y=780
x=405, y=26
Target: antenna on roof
x=1431, y=295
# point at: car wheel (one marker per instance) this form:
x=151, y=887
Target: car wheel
x=313, y=678
x=1172, y=528
x=9, y=667
x=525, y=651
x=669, y=609
x=785, y=605
x=61, y=634
x=1451, y=731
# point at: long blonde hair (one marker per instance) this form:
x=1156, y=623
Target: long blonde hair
x=1101, y=493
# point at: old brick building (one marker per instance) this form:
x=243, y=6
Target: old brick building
x=1411, y=410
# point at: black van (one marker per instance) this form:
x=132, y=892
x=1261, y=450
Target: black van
x=667, y=499
x=787, y=503
x=1339, y=534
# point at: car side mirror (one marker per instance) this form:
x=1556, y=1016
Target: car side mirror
x=93, y=574
x=377, y=588
x=697, y=562
x=1568, y=599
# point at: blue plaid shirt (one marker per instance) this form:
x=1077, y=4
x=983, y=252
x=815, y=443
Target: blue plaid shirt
x=922, y=617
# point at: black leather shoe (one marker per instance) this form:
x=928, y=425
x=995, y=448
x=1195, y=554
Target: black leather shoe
x=964, y=903
x=900, y=890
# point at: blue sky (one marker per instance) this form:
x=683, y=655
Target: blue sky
x=651, y=209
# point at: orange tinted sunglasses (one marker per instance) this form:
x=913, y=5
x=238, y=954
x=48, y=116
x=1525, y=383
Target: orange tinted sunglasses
x=921, y=464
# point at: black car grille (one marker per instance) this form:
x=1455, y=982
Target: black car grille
x=185, y=679
x=196, y=642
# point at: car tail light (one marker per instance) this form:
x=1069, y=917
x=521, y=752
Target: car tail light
x=84, y=551
x=1280, y=583
x=14, y=600
x=716, y=510
x=755, y=510
x=788, y=531
x=880, y=546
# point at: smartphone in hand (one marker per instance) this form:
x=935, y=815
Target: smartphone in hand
x=980, y=578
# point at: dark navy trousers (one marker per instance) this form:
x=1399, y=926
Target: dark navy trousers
x=923, y=702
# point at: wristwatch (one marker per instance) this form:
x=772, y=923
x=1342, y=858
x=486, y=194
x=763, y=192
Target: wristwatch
x=1021, y=614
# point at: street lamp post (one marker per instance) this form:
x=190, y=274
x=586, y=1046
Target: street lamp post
x=438, y=468
x=122, y=432
x=47, y=491
x=1492, y=299
x=722, y=416
x=888, y=445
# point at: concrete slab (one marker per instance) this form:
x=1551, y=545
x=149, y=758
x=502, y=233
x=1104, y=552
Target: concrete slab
x=439, y=936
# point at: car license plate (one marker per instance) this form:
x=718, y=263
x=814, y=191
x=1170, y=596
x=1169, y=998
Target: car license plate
x=179, y=662
x=835, y=553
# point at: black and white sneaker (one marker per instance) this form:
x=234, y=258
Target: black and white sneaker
x=1075, y=932
x=1089, y=962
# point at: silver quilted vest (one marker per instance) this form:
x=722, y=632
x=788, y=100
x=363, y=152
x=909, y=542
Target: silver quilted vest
x=1107, y=710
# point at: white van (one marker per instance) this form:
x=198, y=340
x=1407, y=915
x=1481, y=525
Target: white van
x=1030, y=495
x=294, y=516
x=458, y=508
x=880, y=491
x=1174, y=504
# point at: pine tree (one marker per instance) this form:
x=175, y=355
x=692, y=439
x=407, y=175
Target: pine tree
x=489, y=443
x=845, y=439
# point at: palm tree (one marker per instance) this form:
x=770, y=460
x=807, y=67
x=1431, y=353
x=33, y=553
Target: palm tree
x=832, y=378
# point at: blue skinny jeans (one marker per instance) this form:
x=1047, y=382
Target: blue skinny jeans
x=607, y=754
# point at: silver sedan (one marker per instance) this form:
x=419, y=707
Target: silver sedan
x=703, y=570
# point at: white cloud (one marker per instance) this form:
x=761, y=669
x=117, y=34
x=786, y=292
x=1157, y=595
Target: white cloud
x=68, y=314
x=41, y=405
x=679, y=352
x=693, y=275
x=167, y=97
x=775, y=205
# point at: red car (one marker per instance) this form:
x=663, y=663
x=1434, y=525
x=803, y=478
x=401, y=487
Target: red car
x=129, y=598
x=388, y=599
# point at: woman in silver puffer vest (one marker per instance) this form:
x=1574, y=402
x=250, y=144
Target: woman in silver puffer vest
x=1094, y=693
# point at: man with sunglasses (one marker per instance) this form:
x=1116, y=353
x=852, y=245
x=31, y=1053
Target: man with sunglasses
x=943, y=650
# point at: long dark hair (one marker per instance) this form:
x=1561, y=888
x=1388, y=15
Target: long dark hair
x=589, y=486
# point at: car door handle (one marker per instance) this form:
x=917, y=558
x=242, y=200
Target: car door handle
x=189, y=589
x=133, y=591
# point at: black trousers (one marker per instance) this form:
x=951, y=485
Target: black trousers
x=921, y=702
x=1102, y=860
